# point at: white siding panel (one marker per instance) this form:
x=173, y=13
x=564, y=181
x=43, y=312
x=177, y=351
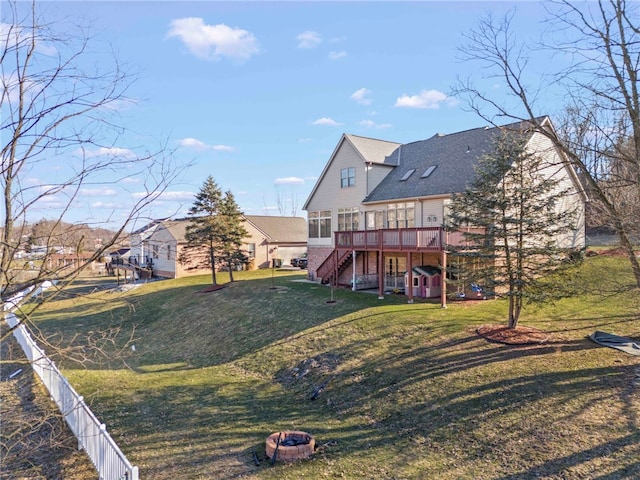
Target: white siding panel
x=376, y=174
x=558, y=169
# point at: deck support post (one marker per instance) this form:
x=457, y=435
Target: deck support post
x=380, y=275
x=409, y=285
x=443, y=280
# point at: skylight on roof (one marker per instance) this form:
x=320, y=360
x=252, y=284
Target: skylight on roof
x=428, y=171
x=407, y=174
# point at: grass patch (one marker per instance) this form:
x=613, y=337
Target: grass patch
x=411, y=391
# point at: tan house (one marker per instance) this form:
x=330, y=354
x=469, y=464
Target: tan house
x=269, y=238
x=377, y=211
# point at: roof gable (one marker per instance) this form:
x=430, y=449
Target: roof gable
x=370, y=150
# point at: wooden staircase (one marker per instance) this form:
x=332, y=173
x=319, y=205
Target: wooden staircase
x=326, y=272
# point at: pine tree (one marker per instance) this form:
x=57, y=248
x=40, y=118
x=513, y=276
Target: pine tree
x=231, y=233
x=215, y=232
x=204, y=225
x=513, y=205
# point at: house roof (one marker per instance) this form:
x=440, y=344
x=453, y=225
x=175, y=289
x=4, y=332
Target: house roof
x=371, y=150
x=441, y=165
x=280, y=229
x=275, y=229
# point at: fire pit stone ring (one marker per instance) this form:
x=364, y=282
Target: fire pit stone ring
x=294, y=445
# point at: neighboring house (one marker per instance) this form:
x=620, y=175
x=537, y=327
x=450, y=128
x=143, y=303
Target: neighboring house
x=269, y=238
x=138, y=255
x=377, y=210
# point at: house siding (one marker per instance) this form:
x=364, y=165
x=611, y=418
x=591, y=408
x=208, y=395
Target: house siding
x=558, y=169
x=375, y=174
x=330, y=195
x=429, y=213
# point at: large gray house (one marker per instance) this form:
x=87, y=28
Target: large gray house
x=377, y=210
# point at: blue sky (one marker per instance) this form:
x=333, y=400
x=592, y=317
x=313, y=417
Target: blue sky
x=257, y=94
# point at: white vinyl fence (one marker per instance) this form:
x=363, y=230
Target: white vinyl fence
x=92, y=435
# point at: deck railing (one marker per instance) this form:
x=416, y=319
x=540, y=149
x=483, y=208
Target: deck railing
x=416, y=239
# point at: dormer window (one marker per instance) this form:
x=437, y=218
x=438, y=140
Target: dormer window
x=407, y=174
x=428, y=171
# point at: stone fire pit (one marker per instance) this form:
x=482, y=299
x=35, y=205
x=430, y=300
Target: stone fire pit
x=294, y=445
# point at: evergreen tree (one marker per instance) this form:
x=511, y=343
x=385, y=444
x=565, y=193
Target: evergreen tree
x=215, y=231
x=231, y=233
x=517, y=225
x=201, y=233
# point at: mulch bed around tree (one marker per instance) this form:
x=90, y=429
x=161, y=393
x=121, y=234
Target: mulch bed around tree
x=512, y=336
x=213, y=288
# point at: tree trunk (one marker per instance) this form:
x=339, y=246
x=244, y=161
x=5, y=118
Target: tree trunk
x=212, y=259
x=230, y=264
x=631, y=254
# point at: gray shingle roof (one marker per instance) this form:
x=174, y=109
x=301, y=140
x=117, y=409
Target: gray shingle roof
x=280, y=229
x=454, y=157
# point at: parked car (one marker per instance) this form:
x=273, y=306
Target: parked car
x=300, y=262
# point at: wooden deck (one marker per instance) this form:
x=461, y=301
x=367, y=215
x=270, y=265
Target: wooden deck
x=424, y=239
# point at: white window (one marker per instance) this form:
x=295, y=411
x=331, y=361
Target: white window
x=348, y=219
x=401, y=215
x=320, y=224
x=348, y=177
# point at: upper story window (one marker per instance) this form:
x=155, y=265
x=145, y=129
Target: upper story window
x=348, y=177
x=320, y=224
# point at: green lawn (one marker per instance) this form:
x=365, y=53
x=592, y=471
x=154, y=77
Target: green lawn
x=412, y=391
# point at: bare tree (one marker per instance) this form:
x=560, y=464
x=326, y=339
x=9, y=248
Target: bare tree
x=597, y=47
x=287, y=202
x=61, y=111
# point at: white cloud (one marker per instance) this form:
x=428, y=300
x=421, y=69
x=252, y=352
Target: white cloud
x=326, y=121
x=11, y=34
x=196, y=144
x=98, y=192
x=223, y=148
x=288, y=181
x=309, y=39
x=337, y=55
x=108, y=152
x=429, y=99
x=362, y=96
x=304, y=140
x=168, y=196
x=211, y=42
x=192, y=143
x=104, y=205
x=372, y=124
